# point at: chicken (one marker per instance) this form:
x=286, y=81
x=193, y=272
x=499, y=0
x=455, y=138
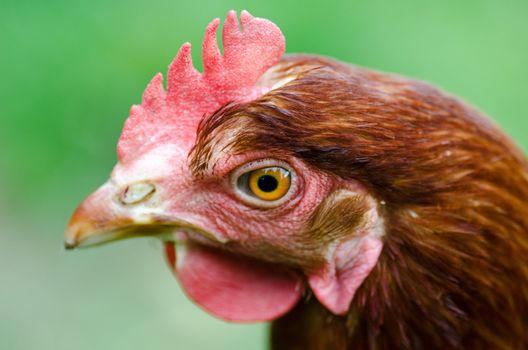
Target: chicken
x=354, y=209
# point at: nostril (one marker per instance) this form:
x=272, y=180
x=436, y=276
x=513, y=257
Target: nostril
x=137, y=193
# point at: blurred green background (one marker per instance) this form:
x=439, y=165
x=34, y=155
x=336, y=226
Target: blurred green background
x=69, y=71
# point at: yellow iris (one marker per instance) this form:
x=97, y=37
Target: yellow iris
x=270, y=183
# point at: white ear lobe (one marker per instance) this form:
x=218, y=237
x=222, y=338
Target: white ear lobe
x=354, y=220
x=336, y=282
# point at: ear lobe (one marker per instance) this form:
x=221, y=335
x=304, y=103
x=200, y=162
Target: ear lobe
x=336, y=282
x=349, y=223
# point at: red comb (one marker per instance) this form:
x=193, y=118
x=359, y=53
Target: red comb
x=231, y=77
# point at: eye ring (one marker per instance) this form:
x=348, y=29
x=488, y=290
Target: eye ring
x=264, y=183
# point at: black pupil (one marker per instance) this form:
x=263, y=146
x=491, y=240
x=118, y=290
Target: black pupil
x=267, y=183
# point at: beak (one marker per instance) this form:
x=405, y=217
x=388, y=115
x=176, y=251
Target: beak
x=109, y=215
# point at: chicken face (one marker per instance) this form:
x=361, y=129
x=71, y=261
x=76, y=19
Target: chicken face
x=253, y=225
x=238, y=243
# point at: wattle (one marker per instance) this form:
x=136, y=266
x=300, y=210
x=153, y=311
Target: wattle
x=233, y=287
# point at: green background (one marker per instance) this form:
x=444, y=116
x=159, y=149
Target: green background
x=69, y=72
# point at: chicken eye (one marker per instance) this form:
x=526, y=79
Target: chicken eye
x=268, y=184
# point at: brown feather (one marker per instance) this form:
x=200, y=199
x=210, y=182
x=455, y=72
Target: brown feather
x=454, y=190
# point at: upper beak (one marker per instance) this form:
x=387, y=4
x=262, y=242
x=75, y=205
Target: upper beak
x=108, y=215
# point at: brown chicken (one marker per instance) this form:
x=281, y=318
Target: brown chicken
x=354, y=209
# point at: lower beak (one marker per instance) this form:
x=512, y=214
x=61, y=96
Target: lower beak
x=103, y=217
